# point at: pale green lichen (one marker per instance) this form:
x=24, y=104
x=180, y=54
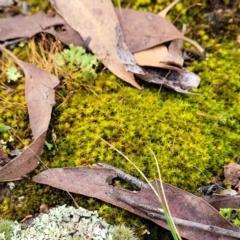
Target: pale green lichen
x=65, y=223
x=13, y=74
x=7, y=229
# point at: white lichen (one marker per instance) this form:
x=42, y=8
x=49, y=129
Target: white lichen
x=67, y=223
x=11, y=185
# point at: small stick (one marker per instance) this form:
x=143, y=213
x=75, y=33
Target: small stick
x=158, y=214
x=125, y=199
x=125, y=176
x=208, y=228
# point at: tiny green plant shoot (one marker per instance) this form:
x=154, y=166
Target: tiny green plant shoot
x=13, y=74
x=158, y=192
x=76, y=58
x=4, y=128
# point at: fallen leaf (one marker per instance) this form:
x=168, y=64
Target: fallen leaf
x=146, y=29
x=180, y=81
x=175, y=55
x=67, y=35
x=96, y=20
x=96, y=182
x=160, y=55
x=27, y=26
x=154, y=57
x=40, y=98
x=223, y=201
x=39, y=95
x=18, y=167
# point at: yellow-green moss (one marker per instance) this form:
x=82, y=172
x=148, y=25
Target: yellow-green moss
x=13, y=109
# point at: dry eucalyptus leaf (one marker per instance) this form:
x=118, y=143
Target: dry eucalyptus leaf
x=96, y=20
x=97, y=183
x=180, y=81
x=223, y=201
x=18, y=167
x=40, y=97
x=146, y=29
x=124, y=55
x=175, y=55
x=27, y=26
x=153, y=56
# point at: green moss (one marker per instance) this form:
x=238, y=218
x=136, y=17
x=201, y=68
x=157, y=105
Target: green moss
x=13, y=107
x=36, y=5
x=132, y=120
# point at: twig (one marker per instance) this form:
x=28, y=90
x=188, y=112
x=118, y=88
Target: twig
x=125, y=199
x=208, y=228
x=158, y=214
x=125, y=176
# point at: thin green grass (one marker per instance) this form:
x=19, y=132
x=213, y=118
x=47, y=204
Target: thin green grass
x=158, y=192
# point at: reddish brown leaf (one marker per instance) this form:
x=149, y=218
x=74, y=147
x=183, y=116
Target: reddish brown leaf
x=67, y=35
x=97, y=20
x=39, y=94
x=156, y=57
x=180, y=81
x=175, y=55
x=27, y=26
x=95, y=182
x=24, y=163
x=146, y=29
x=223, y=201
